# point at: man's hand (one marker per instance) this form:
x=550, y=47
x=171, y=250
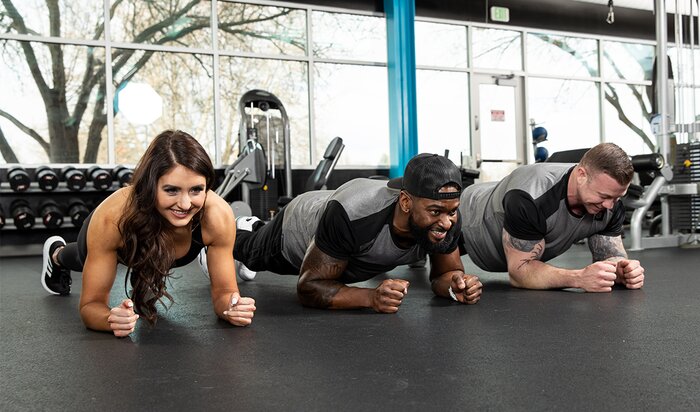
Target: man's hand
x=630, y=273
x=598, y=277
x=122, y=319
x=387, y=297
x=240, y=311
x=466, y=288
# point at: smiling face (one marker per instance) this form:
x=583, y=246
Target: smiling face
x=434, y=223
x=180, y=195
x=596, y=191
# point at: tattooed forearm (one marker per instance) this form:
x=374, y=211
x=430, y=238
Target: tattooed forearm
x=606, y=247
x=535, y=248
x=522, y=245
x=535, y=254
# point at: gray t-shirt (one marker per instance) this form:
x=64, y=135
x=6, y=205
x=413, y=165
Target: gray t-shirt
x=352, y=223
x=531, y=204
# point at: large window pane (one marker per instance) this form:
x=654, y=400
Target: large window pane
x=562, y=55
x=442, y=45
x=352, y=102
x=79, y=19
x=497, y=49
x=172, y=22
x=443, y=113
x=629, y=61
x=349, y=36
x=568, y=109
x=239, y=75
x=158, y=91
x=78, y=122
x=687, y=103
x=261, y=29
x=626, y=121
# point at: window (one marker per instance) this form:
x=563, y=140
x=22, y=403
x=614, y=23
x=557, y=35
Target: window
x=354, y=110
x=497, y=49
x=348, y=37
x=164, y=91
x=239, y=75
x=627, y=118
x=260, y=29
x=23, y=118
x=443, y=45
x=562, y=55
x=568, y=109
x=443, y=113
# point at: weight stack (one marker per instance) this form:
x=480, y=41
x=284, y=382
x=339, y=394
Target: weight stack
x=685, y=210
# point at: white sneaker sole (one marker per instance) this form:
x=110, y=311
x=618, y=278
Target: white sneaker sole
x=45, y=268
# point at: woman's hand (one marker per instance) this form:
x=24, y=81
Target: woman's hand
x=122, y=319
x=240, y=311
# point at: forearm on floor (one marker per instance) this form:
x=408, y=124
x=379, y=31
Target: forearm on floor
x=539, y=275
x=330, y=294
x=94, y=315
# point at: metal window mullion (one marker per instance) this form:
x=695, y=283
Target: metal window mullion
x=311, y=82
x=214, y=23
x=111, y=144
x=601, y=94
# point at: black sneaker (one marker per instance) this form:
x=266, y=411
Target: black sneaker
x=55, y=279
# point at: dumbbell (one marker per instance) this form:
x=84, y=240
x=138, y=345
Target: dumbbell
x=101, y=179
x=46, y=177
x=74, y=178
x=122, y=174
x=51, y=214
x=2, y=217
x=22, y=214
x=18, y=178
x=78, y=212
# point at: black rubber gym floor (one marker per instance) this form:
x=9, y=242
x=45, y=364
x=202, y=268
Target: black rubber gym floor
x=514, y=350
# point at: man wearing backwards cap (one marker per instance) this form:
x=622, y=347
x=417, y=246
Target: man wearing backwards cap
x=364, y=228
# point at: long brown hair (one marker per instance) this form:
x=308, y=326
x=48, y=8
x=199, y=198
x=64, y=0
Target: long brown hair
x=148, y=250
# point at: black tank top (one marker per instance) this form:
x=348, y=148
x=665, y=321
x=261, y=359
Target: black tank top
x=195, y=246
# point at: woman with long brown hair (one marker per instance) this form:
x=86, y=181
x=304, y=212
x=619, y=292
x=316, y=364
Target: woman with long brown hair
x=160, y=221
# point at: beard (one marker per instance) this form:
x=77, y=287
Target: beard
x=422, y=236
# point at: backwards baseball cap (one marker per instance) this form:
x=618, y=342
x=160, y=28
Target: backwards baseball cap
x=426, y=174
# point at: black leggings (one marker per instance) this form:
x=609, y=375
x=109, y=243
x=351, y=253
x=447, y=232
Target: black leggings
x=74, y=254
x=262, y=249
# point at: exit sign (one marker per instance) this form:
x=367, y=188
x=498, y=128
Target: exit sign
x=500, y=14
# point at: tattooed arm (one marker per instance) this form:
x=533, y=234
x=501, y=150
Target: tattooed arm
x=319, y=286
x=527, y=271
x=610, y=248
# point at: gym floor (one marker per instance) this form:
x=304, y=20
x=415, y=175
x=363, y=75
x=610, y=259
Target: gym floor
x=514, y=350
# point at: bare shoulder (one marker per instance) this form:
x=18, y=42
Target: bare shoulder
x=218, y=220
x=104, y=223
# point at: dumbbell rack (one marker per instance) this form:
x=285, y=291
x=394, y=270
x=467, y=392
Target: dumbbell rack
x=16, y=241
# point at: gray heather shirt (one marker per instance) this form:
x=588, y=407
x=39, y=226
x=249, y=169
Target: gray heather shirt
x=530, y=204
x=351, y=223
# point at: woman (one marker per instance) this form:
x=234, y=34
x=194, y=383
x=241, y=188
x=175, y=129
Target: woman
x=162, y=220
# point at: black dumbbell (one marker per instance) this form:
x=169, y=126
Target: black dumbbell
x=78, y=212
x=46, y=177
x=22, y=214
x=74, y=178
x=18, y=178
x=101, y=179
x=2, y=217
x=51, y=214
x=122, y=174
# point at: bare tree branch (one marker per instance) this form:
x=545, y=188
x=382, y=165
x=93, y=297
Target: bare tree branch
x=7, y=153
x=26, y=129
x=18, y=24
